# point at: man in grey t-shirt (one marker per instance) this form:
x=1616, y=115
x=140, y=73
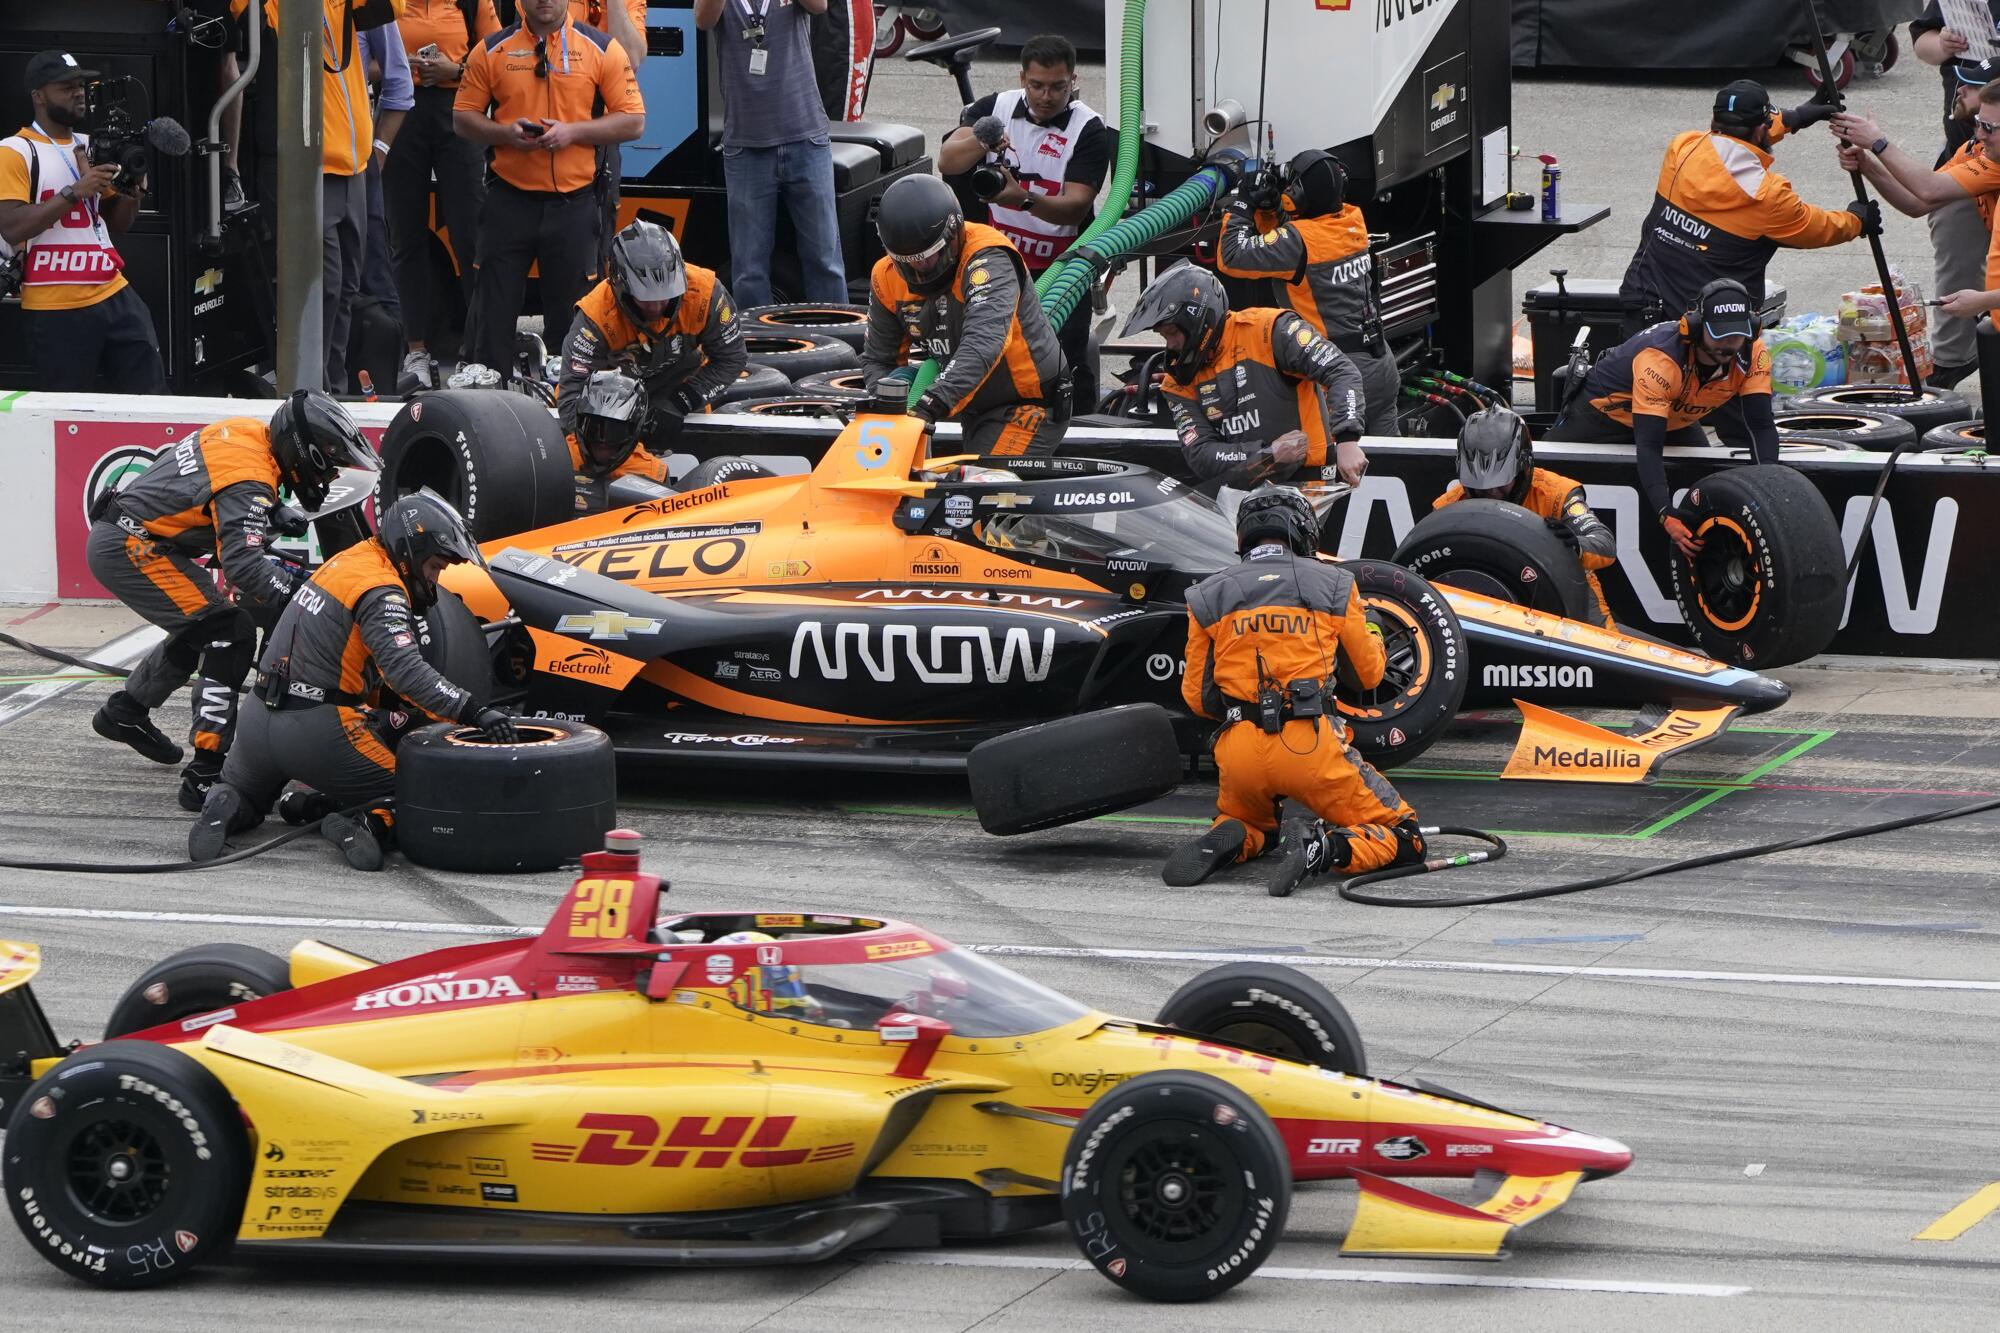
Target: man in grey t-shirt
x=775, y=149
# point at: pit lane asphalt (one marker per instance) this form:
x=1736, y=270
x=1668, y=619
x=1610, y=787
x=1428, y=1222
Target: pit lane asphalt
x=1795, y=1048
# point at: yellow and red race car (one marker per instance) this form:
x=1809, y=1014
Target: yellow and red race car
x=725, y=1089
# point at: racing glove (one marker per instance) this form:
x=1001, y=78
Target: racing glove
x=290, y=521
x=1561, y=528
x=930, y=409
x=496, y=725
x=1870, y=214
x=1679, y=523
x=1806, y=114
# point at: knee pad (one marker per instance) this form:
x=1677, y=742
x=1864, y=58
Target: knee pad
x=229, y=648
x=1409, y=842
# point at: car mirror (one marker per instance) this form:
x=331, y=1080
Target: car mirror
x=918, y=1034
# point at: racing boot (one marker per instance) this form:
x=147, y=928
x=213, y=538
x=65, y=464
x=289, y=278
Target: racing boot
x=1194, y=861
x=301, y=805
x=364, y=839
x=223, y=812
x=1304, y=848
x=126, y=720
x=202, y=773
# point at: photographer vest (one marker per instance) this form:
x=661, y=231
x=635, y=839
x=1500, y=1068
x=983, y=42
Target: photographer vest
x=73, y=263
x=1040, y=161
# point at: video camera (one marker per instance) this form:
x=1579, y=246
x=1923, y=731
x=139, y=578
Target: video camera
x=118, y=137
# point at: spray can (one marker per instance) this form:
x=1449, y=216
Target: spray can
x=1552, y=175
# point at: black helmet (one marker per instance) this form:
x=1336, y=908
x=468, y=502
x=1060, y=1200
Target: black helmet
x=646, y=265
x=923, y=230
x=610, y=413
x=1277, y=513
x=312, y=439
x=1318, y=183
x=1494, y=451
x=417, y=526
x=1192, y=300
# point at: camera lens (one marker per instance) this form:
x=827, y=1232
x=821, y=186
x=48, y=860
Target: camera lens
x=988, y=180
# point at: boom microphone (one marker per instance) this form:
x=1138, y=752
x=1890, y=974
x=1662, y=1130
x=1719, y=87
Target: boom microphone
x=989, y=130
x=166, y=134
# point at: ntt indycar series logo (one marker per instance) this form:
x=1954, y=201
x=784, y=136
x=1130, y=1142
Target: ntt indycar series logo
x=1507, y=676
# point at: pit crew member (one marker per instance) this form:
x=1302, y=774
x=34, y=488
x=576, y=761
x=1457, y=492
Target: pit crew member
x=1264, y=641
x=343, y=648
x=1255, y=394
x=959, y=291
x=1313, y=245
x=1658, y=387
x=610, y=410
x=215, y=494
x=1496, y=461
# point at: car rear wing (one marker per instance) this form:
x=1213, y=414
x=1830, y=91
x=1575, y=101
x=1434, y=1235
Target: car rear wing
x=25, y=1034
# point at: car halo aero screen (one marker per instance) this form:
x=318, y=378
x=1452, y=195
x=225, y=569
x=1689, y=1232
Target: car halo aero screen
x=977, y=997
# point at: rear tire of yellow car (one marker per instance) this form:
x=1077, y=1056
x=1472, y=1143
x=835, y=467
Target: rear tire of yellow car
x=207, y=979
x=1270, y=1009
x=1769, y=586
x=466, y=803
x=1176, y=1185
x=497, y=457
x=1074, y=768
x=126, y=1165
x=1424, y=681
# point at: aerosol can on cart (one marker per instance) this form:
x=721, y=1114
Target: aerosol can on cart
x=1552, y=176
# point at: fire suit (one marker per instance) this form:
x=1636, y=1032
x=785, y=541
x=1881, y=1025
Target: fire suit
x=1270, y=374
x=593, y=491
x=345, y=645
x=1003, y=372
x=1321, y=267
x=210, y=495
x=685, y=362
x=1557, y=500
x=1278, y=621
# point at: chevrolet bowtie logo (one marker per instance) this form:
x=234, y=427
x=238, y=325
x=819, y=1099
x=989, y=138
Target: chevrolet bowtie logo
x=1007, y=499
x=1442, y=98
x=608, y=625
x=208, y=282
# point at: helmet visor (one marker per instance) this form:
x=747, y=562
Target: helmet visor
x=930, y=266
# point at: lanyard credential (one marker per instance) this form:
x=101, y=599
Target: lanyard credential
x=67, y=152
x=753, y=27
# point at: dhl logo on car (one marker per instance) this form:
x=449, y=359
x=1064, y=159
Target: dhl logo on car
x=630, y=1140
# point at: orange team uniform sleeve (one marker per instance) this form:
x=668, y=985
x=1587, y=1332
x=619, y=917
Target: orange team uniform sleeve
x=475, y=90
x=1195, y=678
x=1789, y=220
x=1363, y=648
x=1975, y=175
x=642, y=463
x=618, y=85
x=1452, y=495
x=1656, y=382
x=1759, y=378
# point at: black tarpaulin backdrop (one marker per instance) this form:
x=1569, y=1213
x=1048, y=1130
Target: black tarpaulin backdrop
x=1695, y=34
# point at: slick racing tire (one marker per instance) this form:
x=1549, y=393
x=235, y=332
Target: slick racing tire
x=798, y=354
x=1423, y=680
x=450, y=639
x=717, y=470
x=1928, y=408
x=466, y=803
x=755, y=382
x=848, y=323
x=1766, y=590
x=1272, y=1010
x=1792, y=447
x=827, y=405
x=1959, y=437
x=1499, y=550
x=1176, y=1185
x=209, y=979
x=1864, y=429
x=499, y=458
x=1074, y=768
x=126, y=1165
x=836, y=384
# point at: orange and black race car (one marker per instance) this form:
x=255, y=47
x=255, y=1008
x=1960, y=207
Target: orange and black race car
x=726, y=1088
x=888, y=610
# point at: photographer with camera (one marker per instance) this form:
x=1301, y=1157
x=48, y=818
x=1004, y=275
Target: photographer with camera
x=1036, y=156
x=89, y=330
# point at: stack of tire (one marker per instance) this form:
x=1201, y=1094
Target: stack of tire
x=1876, y=418
x=816, y=346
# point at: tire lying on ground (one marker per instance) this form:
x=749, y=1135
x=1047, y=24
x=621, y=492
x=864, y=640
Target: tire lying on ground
x=1767, y=588
x=848, y=323
x=1272, y=1009
x=1424, y=678
x=201, y=980
x=1176, y=1185
x=1928, y=408
x=1865, y=429
x=1958, y=437
x=836, y=384
x=498, y=457
x=466, y=803
x=1073, y=768
x=799, y=354
x=1500, y=550
x=756, y=382
x=715, y=471
x=129, y=1164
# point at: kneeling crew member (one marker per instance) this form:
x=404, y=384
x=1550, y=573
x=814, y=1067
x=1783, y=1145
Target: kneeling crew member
x=214, y=494
x=668, y=322
x=343, y=647
x=1657, y=387
x=610, y=411
x=1263, y=642
x=1314, y=245
x=1255, y=394
x=959, y=291
x=1496, y=461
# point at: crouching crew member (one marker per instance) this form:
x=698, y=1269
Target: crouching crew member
x=959, y=291
x=1255, y=394
x=1496, y=461
x=340, y=678
x=610, y=413
x=1263, y=642
x=214, y=494
x=667, y=322
x=1657, y=388
x=1315, y=249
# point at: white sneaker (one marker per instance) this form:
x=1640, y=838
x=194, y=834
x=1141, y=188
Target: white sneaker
x=419, y=373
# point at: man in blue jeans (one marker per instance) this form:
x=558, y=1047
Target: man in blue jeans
x=774, y=145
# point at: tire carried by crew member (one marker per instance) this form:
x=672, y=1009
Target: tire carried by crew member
x=128, y=1163
x=799, y=354
x=207, y=979
x=1176, y=1186
x=1862, y=428
x=1271, y=1009
x=1424, y=679
x=756, y=382
x=1074, y=768
x=1925, y=409
x=1498, y=549
x=715, y=471
x=1962, y=437
x=1767, y=588
x=467, y=803
x=848, y=323
x=498, y=458
x=837, y=384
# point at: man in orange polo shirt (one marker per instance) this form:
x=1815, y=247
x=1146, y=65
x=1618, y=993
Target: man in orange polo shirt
x=544, y=95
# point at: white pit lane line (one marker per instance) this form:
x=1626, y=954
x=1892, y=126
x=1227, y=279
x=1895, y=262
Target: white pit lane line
x=122, y=651
x=1612, y=1286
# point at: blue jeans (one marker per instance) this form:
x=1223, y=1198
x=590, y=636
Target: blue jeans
x=800, y=175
